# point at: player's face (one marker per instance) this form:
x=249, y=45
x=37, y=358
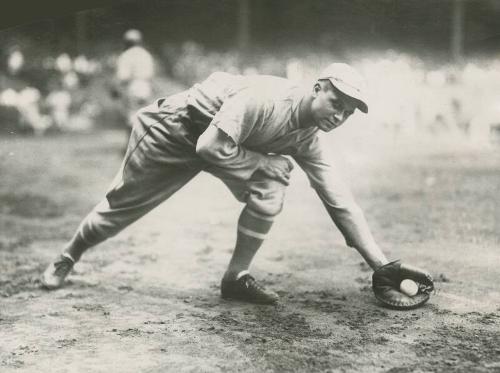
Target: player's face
x=330, y=109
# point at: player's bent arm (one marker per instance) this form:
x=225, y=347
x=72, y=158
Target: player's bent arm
x=230, y=159
x=343, y=210
x=221, y=144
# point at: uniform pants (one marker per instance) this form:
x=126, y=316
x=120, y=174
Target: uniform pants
x=160, y=159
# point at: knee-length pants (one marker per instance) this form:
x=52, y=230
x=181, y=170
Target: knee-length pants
x=160, y=159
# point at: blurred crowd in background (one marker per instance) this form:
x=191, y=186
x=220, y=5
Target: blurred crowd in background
x=43, y=94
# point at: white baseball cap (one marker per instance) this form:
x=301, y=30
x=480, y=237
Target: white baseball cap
x=348, y=81
x=133, y=36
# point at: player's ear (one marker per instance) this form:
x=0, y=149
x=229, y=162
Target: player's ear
x=316, y=89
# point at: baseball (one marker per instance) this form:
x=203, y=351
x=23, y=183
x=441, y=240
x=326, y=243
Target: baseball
x=409, y=287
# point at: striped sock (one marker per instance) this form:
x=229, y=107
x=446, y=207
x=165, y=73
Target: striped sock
x=254, y=224
x=252, y=230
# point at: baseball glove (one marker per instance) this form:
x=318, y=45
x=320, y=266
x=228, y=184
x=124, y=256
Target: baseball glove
x=386, y=281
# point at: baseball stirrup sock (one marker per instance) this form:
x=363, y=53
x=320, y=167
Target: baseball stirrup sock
x=253, y=224
x=252, y=230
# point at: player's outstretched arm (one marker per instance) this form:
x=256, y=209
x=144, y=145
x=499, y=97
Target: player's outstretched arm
x=348, y=217
x=339, y=202
x=387, y=277
x=350, y=220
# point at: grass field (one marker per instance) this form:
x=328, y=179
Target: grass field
x=148, y=301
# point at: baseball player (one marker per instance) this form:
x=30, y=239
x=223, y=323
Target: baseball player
x=240, y=128
x=135, y=70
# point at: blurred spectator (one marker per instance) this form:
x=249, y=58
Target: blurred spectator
x=85, y=69
x=82, y=65
x=10, y=117
x=9, y=98
x=58, y=102
x=134, y=71
x=28, y=104
x=15, y=60
x=71, y=80
x=63, y=63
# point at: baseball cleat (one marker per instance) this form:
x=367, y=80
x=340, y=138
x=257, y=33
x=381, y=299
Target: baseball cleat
x=56, y=272
x=246, y=289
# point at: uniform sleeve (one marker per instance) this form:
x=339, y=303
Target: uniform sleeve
x=240, y=115
x=327, y=181
x=236, y=119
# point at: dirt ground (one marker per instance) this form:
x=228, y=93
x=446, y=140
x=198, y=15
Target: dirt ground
x=148, y=300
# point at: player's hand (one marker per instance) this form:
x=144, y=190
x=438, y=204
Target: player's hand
x=277, y=167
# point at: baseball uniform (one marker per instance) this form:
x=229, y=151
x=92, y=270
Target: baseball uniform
x=259, y=116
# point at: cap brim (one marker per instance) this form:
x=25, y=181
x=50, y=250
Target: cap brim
x=351, y=92
x=362, y=106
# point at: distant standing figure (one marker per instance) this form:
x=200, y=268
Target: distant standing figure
x=134, y=73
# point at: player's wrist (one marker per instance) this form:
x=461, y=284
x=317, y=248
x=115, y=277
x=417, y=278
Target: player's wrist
x=376, y=262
